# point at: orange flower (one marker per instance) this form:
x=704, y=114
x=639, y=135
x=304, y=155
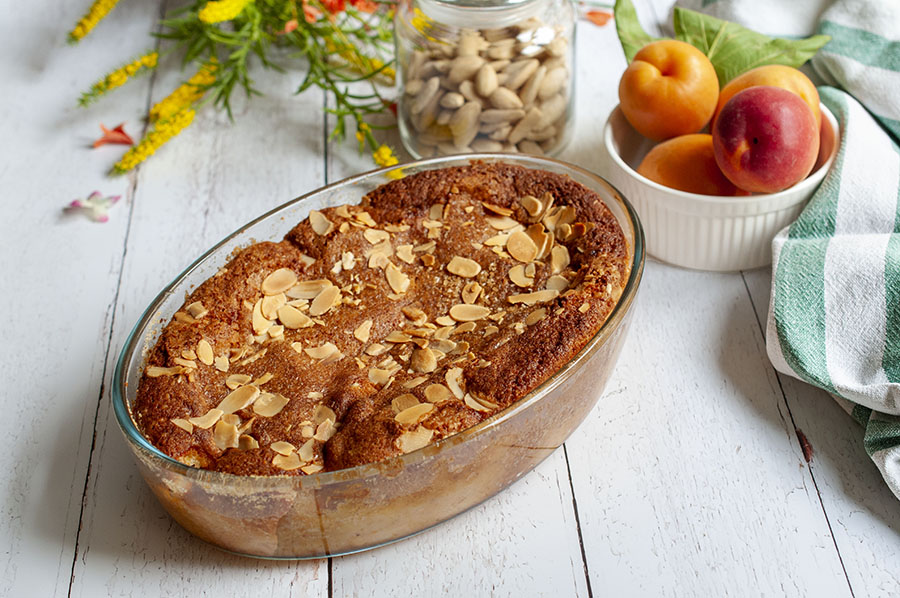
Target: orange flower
x=117, y=135
x=598, y=17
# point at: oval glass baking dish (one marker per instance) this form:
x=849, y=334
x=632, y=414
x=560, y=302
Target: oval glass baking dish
x=344, y=511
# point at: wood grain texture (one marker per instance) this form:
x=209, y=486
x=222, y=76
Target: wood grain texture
x=863, y=513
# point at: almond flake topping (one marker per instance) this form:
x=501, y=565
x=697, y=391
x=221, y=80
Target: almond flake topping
x=375, y=349
x=225, y=435
x=497, y=209
x=188, y=354
x=321, y=352
x=465, y=327
x=436, y=393
x=325, y=301
x=322, y=413
x=184, y=425
x=205, y=352
x=260, y=322
x=423, y=361
x=519, y=278
x=501, y=222
x=269, y=404
x=535, y=297
x=436, y=211
x=363, y=331
x=235, y=380
x=535, y=316
x=398, y=280
x=270, y=305
x=403, y=402
x=428, y=260
x=308, y=289
x=238, y=399
x=312, y=468
x=293, y=318
x=320, y=224
x=521, y=247
x=155, y=371
x=204, y=422
x=246, y=443
x=532, y=205
x=482, y=405
x=497, y=240
x=364, y=217
x=325, y=431
x=375, y=236
x=559, y=259
x=414, y=414
x=348, y=260
x=283, y=448
x=196, y=310
x=445, y=321
x=380, y=376
x=464, y=312
x=415, y=382
x=221, y=363
x=558, y=283
x=584, y=307
x=471, y=292
x=462, y=266
x=454, y=378
x=278, y=281
x=413, y=441
x=187, y=363
x=405, y=253
x=306, y=451
x=286, y=462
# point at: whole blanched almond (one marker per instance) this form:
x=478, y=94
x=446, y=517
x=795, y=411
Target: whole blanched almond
x=486, y=145
x=425, y=95
x=502, y=49
x=530, y=147
x=452, y=100
x=542, y=134
x=414, y=86
x=552, y=109
x=500, y=134
x=558, y=46
x=470, y=44
x=533, y=85
x=519, y=72
x=464, y=67
x=553, y=82
x=443, y=117
x=501, y=116
x=486, y=80
x=429, y=113
x=524, y=126
x=416, y=62
x=464, y=124
x=505, y=99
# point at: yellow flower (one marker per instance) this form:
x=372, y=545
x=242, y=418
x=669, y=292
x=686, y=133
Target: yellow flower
x=161, y=133
x=383, y=156
x=187, y=93
x=98, y=10
x=217, y=11
x=118, y=77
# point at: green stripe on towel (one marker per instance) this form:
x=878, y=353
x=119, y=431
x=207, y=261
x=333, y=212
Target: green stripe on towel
x=863, y=46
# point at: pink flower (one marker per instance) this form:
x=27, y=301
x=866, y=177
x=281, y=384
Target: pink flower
x=95, y=206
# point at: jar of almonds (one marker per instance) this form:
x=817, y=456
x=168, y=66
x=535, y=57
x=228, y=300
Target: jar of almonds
x=485, y=75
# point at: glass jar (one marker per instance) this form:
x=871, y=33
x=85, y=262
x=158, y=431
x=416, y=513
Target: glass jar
x=485, y=75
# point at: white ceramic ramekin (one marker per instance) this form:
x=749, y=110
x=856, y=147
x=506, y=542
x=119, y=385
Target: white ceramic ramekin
x=708, y=232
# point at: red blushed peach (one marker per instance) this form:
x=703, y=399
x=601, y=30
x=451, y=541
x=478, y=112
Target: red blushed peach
x=687, y=163
x=765, y=139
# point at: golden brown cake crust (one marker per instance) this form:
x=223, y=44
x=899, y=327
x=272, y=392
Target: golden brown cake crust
x=402, y=342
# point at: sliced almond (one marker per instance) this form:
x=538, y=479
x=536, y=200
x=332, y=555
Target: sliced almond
x=205, y=352
x=500, y=210
x=557, y=283
x=184, y=425
x=325, y=431
x=535, y=316
x=454, y=378
x=423, y=361
x=308, y=289
x=559, y=259
x=532, y=205
x=293, y=318
x=186, y=363
x=221, y=363
x=497, y=240
x=269, y=404
x=476, y=405
x=414, y=414
x=445, y=321
x=436, y=211
x=397, y=337
x=325, y=301
x=535, y=297
x=312, y=468
x=260, y=322
x=464, y=327
x=238, y=399
x=246, y=443
x=235, y=380
x=375, y=349
x=412, y=383
x=521, y=247
x=286, y=462
x=155, y=371
x=414, y=440
x=519, y=278
x=584, y=307
x=405, y=253
x=283, y=448
x=375, y=236
x=471, y=292
x=416, y=315
x=278, y=281
x=428, y=260
x=204, y=422
x=403, y=402
x=323, y=412
x=380, y=376
x=464, y=312
x=436, y=393
x=306, y=452
x=319, y=223
x=225, y=435
x=363, y=331
x=501, y=222
x=196, y=310
x=464, y=267
x=321, y=352
x=396, y=278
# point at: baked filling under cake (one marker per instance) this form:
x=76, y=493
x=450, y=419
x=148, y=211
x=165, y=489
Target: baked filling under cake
x=375, y=329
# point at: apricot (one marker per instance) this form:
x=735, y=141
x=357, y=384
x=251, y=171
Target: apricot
x=669, y=89
x=765, y=139
x=776, y=75
x=687, y=163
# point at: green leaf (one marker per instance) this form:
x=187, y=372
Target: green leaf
x=734, y=49
x=631, y=34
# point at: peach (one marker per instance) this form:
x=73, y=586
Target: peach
x=669, y=89
x=765, y=139
x=687, y=163
x=776, y=75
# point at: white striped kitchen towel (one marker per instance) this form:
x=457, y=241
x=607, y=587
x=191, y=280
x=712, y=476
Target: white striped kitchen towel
x=834, y=312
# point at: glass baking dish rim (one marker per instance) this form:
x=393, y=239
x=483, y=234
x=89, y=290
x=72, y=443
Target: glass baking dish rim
x=387, y=467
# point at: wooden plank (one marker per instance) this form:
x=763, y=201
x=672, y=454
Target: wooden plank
x=689, y=479
x=861, y=510
x=521, y=542
x=61, y=276
x=205, y=183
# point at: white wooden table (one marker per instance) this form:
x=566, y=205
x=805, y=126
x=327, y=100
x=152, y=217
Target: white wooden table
x=688, y=478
